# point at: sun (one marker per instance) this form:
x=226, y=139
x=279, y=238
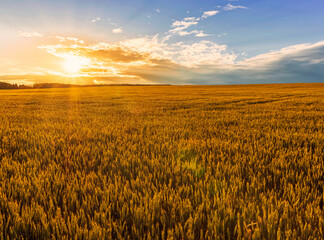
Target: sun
x=73, y=64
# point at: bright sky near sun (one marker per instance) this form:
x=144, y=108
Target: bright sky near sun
x=163, y=41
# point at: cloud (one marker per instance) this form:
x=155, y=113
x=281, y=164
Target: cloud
x=152, y=59
x=195, y=32
x=117, y=30
x=202, y=53
x=146, y=59
x=72, y=39
x=178, y=27
x=29, y=34
x=115, y=54
x=202, y=34
x=112, y=23
x=222, y=35
x=230, y=7
x=296, y=63
x=96, y=20
x=186, y=33
x=300, y=53
x=149, y=51
x=209, y=14
x=158, y=10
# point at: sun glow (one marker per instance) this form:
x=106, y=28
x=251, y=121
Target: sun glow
x=73, y=64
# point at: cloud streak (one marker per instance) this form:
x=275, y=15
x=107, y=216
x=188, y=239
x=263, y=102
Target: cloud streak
x=29, y=34
x=97, y=19
x=72, y=39
x=179, y=27
x=117, y=30
x=230, y=7
x=209, y=14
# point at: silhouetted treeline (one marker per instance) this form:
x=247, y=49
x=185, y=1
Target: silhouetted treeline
x=4, y=85
x=54, y=85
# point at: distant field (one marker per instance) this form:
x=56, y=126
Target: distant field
x=163, y=162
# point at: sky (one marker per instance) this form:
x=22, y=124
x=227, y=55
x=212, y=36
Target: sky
x=161, y=41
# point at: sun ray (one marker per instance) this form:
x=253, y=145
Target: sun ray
x=73, y=64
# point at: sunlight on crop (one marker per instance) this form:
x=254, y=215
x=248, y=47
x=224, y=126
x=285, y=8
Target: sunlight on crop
x=162, y=162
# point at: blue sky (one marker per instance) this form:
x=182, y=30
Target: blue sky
x=178, y=42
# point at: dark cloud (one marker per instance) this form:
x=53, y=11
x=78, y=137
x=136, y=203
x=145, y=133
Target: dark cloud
x=304, y=65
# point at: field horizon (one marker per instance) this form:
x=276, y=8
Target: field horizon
x=44, y=85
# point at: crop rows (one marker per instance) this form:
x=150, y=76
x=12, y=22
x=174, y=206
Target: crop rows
x=162, y=162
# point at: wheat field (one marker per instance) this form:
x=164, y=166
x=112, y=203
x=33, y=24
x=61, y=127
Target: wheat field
x=162, y=162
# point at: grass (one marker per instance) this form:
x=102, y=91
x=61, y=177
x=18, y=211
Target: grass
x=162, y=162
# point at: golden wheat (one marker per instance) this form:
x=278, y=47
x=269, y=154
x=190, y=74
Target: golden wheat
x=162, y=162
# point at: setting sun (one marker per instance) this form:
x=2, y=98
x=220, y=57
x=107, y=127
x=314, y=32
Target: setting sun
x=73, y=64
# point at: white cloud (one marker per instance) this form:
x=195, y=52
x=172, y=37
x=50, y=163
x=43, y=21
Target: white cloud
x=209, y=14
x=230, y=7
x=96, y=20
x=202, y=53
x=29, y=34
x=187, y=55
x=112, y=23
x=179, y=26
x=266, y=59
x=202, y=34
x=158, y=10
x=196, y=32
x=187, y=23
x=186, y=33
x=191, y=19
x=73, y=39
x=117, y=30
x=222, y=35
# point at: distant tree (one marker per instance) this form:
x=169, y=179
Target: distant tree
x=53, y=85
x=4, y=85
x=24, y=87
